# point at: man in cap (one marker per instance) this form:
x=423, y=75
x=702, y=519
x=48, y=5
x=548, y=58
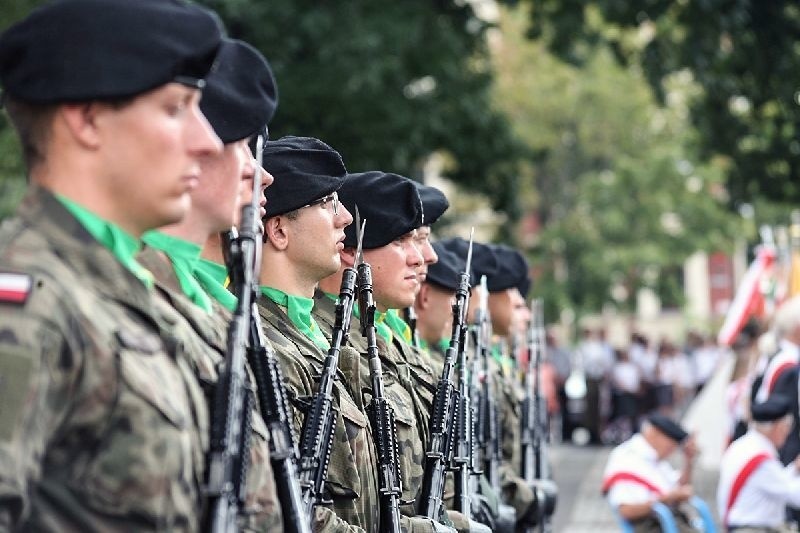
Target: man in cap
x=637, y=473
x=303, y=233
x=434, y=301
x=391, y=206
x=103, y=420
x=754, y=487
x=238, y=99
x=501, y=281
x=434, y=204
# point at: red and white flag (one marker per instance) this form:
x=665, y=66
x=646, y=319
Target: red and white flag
x=749, y=299
x=14, y=287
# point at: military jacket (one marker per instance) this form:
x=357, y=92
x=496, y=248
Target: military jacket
x=351, y=483
x=103, y=425
x=400, y=389
x=262, y=509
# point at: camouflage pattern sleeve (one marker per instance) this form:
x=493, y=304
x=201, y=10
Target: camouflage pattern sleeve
x=37, y=375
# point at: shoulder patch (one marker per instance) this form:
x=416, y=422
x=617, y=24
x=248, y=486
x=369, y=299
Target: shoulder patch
x=15, y=287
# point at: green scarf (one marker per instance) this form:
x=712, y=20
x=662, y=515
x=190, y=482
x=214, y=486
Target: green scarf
x=380, y=320
x=213, y=277
x=121, y=244
x=299, y=311
x=399, y=326
x=183, y=255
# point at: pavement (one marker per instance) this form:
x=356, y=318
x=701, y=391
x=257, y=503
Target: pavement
x=578, y=472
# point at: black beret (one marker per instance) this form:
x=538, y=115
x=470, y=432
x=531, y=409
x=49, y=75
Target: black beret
x=81, y=50
x=389, y=202
x=774, y=407
x=512, y=269
x=484, y=261
x=668, y=427
x=240, y=96
x=305, y=169
x=446, y=272
x=434, y=203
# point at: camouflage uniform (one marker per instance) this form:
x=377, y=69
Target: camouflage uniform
x=351, y=482
x=516, y=491
x=103, y=426
x=404, y=397
x=262, y=510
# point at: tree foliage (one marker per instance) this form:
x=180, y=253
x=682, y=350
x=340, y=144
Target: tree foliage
x=385, y=83
x=745, y=55
x=621, y=193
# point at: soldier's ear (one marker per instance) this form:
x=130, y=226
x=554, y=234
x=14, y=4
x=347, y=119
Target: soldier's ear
x=82, y=121
x=423, y=297
x=275, y=232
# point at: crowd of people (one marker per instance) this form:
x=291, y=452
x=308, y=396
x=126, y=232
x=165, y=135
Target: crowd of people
x=625, y=384
x=758, y=489
x=202, y=328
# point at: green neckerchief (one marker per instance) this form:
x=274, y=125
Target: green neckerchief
x=500, y=357
x=299, y=311
x=213, y=277
x=380, y=320
x=184, y=256
x=399, y=326
x=122, y=245
x=444, y=344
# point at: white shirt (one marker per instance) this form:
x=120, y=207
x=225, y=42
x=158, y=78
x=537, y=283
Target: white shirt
x=634, y=474
x=597, y=358
x=626, y=376
x=765, y=493
x=705, y=362
x=787, y=356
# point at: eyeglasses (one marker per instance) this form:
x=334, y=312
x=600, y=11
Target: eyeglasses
x=333, y=198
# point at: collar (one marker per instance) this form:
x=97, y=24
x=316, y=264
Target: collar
x=120, y=243
x=184, y=256
x=298, y=309
x=72, y=242
x=213, y=277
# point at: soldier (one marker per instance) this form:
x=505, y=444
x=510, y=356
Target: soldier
x=503, y=275
x=305, y=232
x=391, y=206
x=434, y=204
x=434, y=300
x=102, y=425
x=239, y=98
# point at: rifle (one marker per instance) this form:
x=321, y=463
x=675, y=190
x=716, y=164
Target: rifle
x=410, y=316
x=535, y=467
x=320, y=423
x=381, y=415
x=445, y=405
x=246, y=336
x=230, y=422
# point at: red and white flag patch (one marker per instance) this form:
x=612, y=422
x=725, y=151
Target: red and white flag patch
x=14, y=287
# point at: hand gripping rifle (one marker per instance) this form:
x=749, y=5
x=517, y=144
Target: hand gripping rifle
x=246, y=336
x=317, y=439
x=381, y=415
x=535, y=468
x=445, y=406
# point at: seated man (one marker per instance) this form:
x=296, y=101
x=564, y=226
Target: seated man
x=754, y=487
x=638, y=475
